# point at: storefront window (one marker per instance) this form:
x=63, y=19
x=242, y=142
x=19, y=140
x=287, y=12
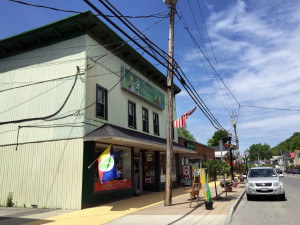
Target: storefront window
x=149, y=168
x=163, y=168
x=123, y=163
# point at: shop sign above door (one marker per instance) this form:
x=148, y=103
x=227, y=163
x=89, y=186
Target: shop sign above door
x=139, y=87
x=190, y=145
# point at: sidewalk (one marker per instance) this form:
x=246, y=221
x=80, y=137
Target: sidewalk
x=150, y=209
x=145, y=209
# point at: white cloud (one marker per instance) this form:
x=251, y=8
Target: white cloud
x=257, y=47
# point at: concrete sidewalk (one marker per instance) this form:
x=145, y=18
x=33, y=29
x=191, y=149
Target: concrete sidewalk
x=149, y=209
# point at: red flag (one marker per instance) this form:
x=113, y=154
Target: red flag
x=181, y=121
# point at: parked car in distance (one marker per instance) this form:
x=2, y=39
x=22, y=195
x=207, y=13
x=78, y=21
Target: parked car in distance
x=264, y=181
x=279, y=171
x=296, y=171
x=289, y=171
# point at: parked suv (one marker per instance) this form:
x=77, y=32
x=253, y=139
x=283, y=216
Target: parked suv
x=262, y=181
x=289, y=171
x=279, y=171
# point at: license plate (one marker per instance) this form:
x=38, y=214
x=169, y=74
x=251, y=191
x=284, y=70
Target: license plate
x=264, y=189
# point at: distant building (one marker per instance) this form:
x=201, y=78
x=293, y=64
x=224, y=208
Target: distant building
x=297, y=158
x=203, y=153
x=288, y=159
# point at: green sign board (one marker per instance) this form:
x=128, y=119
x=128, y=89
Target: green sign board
x=190, y=145
x=141, y=88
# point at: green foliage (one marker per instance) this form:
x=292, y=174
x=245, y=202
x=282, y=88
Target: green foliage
x=183, y=132
x=263, y=165
x=214, y=167
x=9, y=200
x=289, y=145
x=259, y=151
x=218, y=135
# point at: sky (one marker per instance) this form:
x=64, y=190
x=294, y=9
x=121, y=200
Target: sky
x=254, y=45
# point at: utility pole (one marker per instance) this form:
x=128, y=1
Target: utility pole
x=236, y=137
x=221, y=148
x=170, y=94
x=231, y=160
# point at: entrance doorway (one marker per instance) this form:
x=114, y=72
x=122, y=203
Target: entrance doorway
x=138, y=172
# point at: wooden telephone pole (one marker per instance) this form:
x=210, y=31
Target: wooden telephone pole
x=170, y=94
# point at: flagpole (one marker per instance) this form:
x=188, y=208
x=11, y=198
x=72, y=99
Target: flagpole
x=92, y=163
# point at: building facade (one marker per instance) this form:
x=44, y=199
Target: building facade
x=203, y=153
x=70, y=89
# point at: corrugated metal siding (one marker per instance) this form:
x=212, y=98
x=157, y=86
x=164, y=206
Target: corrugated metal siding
x=106, y=72
x=48, y=174
x=57, y=60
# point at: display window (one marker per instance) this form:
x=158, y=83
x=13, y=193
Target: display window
x=149, y=163
x=123, y=163
x=163, y=168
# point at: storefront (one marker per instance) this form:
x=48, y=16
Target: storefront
x=140, y=160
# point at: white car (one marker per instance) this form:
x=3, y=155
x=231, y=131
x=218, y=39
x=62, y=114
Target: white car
x=262, y=181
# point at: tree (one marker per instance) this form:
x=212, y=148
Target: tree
x=259, y=151
x=218, y=135
x=183, y=132
x=214, y=167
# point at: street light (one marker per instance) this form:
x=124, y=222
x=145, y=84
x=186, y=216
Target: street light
x=231, y=164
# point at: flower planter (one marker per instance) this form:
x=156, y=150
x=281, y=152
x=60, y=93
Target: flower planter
x=228, y=188
x=208, y=205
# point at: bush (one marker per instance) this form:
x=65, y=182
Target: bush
x=9, y=200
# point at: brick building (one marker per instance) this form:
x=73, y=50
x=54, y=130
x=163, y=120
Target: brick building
x=203, y=153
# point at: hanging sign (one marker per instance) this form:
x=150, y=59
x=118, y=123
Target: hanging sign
x=139, y=87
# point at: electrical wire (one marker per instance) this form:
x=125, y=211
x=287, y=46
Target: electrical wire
x=146, y=40
x=157, y=15
x=271, y=108
x=49, y=116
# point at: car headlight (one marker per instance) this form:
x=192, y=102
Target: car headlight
x=251, y=184
x=276, y=183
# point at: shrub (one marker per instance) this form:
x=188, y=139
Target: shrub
x=9, y=200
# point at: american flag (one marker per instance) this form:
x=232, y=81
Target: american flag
x=181, y=121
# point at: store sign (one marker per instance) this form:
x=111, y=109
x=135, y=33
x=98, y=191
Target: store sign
x=149, y=157
x=111, y=185
x=187, y=175
x=190, y=145
x=139, y=87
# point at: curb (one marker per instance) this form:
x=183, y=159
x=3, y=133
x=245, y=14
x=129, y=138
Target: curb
x=233, y=208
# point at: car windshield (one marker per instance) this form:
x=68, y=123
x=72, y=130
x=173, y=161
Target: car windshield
x=262, y=173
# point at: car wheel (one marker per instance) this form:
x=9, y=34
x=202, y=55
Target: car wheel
x=282, y=197
x=249, y=197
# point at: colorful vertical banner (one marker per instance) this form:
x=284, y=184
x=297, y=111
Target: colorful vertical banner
x=205, y=185
x=106, y=165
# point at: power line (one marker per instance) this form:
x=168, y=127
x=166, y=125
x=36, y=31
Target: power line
x=271, y=108
x=49, y=116
x=148, y=42
x=157, y=15
x=211, y=81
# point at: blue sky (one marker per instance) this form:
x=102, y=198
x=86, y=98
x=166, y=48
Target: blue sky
x=256, y=44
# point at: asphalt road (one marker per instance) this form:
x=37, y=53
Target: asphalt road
x=269, y=210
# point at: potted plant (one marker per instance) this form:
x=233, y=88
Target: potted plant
x=228, y=185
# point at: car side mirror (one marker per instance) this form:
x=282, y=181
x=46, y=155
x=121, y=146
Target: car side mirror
x=244, y=176
x=281, y=175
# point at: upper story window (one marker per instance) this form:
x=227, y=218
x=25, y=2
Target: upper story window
x=145, y=120
x=101, y=103
x=155, y=124
x=131, y=115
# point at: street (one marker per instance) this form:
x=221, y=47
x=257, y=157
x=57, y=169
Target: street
x=269, y=210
